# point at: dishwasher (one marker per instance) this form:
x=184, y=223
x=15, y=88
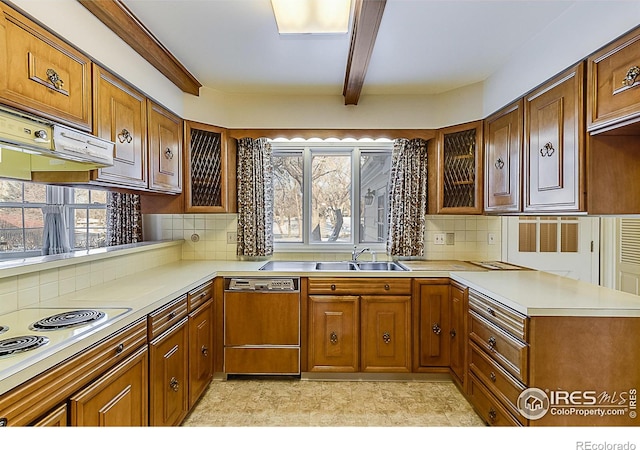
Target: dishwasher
x=262, y=326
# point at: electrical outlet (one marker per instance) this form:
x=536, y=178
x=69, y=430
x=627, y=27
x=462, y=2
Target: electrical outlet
x=232, y=237
x=491, y=239
x=450, y=238
x=438, y=239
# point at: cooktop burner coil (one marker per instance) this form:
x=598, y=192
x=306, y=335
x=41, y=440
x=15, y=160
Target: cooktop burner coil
x=3, y=329
x=67, y=319
x=21, y=344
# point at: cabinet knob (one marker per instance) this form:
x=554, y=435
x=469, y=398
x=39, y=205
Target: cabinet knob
x=630, y=77
x=174, y=384
x=386, y=337
x=493, y=415
x=333, y=287
x=168, y=153
x=491, y=311
x=387, y=287
x=492, y=343
x=452, y=333
x=119, y=349
x=204, y=350
x=492, y=376
x=333, y=338
x=55, y=79
x=499, y=164
x=436, y=328
x=3, y=422
x=547, y=150
x=125, y=136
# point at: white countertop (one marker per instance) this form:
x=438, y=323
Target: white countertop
x=530, y=292
x=543, y=294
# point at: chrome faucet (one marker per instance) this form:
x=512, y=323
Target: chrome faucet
x=355, y=253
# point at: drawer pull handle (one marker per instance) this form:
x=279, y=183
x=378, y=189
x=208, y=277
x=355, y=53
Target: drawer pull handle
x=125, y=136
x=452, y=333
x=119, y=349
x=333, y=287
x=547, y=150
x=436, y=328
x=492, y=343
x=499, y=164
x=492, y=376
x=386, y=287
x=174, y=384
x=55, y=78
x=386, y=337
x=493, y=415
x=333, y=338
x=630, y=77
x=491, y=311
x=205, y=351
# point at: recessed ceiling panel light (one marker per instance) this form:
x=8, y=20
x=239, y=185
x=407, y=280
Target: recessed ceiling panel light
x=312, y=16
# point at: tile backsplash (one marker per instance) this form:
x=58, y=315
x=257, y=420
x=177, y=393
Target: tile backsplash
x=206, y=237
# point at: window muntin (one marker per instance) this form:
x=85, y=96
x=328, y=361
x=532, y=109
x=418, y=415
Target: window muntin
x=22, y=221
x=317, y=185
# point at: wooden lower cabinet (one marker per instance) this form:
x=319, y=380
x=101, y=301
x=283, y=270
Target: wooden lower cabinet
x=168, y=376
x=458, y=305
x=385, y=333
x=431, y=323
x=365, y=326
x=200, y=351
x=334, y=333
x=56, y=418
x=118, y=398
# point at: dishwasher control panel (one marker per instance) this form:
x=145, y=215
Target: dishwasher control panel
x=262, y=284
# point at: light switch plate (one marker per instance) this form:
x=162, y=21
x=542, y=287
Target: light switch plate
x=232, y=237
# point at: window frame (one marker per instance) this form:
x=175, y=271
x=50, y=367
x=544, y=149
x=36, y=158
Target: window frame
x=309, y=148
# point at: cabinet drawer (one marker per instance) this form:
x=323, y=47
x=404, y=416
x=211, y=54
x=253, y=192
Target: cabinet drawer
x=613, y=77
x=360, y=286
x=499, y=314
x=41, y=73
x=506, y=388
x=488, y=406
x=509, y=352
x=200, y=296
x=262, y=361
x=164, y=318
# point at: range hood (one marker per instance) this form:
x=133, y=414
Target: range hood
x=31, y=135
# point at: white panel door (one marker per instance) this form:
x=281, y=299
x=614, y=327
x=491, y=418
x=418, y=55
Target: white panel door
x=567, y=246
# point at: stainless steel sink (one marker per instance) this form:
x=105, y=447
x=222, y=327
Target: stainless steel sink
x=336, y=265
x=381, y=265
x=289, y=266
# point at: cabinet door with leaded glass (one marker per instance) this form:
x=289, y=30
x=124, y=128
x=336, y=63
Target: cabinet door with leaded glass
x=209, y=188
x=459, y=166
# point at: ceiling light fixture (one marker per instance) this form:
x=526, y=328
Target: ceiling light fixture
x=312, y=16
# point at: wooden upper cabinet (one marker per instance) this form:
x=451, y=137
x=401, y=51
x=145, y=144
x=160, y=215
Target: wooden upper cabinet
x=210, y=169
x=41, y=73
x=554, y=144
x=613, y=80
x=459, y=165
x=165, y=149
x=120, y=115
x=502, y=159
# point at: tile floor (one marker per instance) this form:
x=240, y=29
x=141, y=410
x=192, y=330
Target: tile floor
x=293, y=403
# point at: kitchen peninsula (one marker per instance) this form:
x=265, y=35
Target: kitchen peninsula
x=527, y=329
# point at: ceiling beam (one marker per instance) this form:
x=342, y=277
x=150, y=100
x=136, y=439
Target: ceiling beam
x=366, y=21
x=126, y=25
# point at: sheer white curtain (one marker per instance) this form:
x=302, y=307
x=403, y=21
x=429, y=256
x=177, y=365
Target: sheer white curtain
x=55, y=239
x=407, y=198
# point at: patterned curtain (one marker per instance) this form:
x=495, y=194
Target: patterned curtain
x=407, y=198
x=124, y=219
x=255, y=198
x=54, y=239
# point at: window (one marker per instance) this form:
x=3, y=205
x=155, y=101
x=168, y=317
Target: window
x=330, y=194
x=21, y=218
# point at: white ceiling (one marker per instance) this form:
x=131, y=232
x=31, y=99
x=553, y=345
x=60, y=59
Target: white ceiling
x=423, y=46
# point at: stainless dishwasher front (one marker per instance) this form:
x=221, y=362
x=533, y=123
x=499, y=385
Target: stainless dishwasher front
x=262, y=326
